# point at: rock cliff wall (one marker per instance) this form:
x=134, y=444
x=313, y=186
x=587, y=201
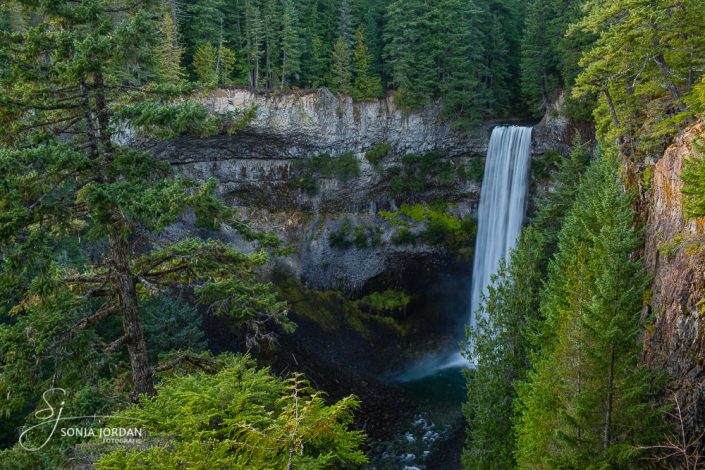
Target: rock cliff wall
x=676, y=341
x=259, y=170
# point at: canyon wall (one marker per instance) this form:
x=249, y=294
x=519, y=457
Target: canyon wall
x=259, y=170
x=676, y=340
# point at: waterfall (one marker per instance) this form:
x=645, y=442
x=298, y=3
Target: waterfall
x=500, y=215
x=502, y=205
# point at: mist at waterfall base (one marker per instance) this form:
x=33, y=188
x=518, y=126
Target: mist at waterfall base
x=503, y=199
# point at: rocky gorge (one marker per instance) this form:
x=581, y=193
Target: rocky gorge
x=262, y=170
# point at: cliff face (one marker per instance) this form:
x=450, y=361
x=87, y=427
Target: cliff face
x=260, y=171
x=676, y=342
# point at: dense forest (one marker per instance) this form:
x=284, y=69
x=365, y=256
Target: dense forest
x=93, y=300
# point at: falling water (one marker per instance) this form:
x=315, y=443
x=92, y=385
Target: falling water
x=500, y=216
x=502, y=205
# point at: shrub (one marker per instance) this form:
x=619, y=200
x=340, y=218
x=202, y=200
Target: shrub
x=378, y=153
x=239, y=417
x=386, y=302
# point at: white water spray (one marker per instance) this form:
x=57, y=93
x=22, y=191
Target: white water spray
x=502, y=206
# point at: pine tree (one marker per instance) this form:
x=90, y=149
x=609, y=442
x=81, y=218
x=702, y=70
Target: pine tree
x=340, y=72
x=642, y=65
x=539, y=74
x=464, y=94
x=171, y=325
x=205, y=62
x=253, y=32
x=366, y=85
x=291, y=44
x=170, y=51
x=346, y=28
x=68, y=177
x=500, y=349
x=588, y=402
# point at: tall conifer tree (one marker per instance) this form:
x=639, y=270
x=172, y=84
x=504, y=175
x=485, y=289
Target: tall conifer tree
x=75, y=77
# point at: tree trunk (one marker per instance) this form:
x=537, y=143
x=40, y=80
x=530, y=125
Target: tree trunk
x=668, y=76
x=613, y=111
x=610, y=398
x=129, y=305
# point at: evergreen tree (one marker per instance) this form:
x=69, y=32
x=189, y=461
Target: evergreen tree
x=366, y=85
x=204, y=20
x=67, y=177
x=588, y=403
x=290, y=42
x=170, y=324
x=464, y=94
x=169, y=51
x=556, y=204
x=642, y=64
x=253, y=34
x=340, y=72
x=346, y=28
x=205, y=62
x=504, y=342
x=539, y=77
x=271, y=23
x=500, y=351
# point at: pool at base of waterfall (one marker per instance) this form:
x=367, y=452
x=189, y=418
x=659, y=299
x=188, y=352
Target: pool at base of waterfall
x=431, y=436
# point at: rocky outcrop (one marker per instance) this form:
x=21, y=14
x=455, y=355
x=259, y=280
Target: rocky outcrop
x=676, y=341
x=259, y=170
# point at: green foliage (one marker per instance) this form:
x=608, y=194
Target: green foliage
x=343, y=167
x=347, y=235
x=500, y=350
x=473, y=171
x=433, y=225
x=641, y=66
x=170, y=324
x=588, y=402
x=694, y=185
x=365, y=86
x=378, y=153
x=418, y=173
x=213, y=65
x=240, y=417
x=549, y=56
x=341, y=74
x=204, y=64
x=340, y=238
x=540, y=168
x=78, y=204
x=169, y=52
x=291, y=42
x=385, y=302
x=464, y=52
x=335, y=311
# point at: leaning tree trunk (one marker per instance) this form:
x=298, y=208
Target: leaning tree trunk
x=132, y=325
